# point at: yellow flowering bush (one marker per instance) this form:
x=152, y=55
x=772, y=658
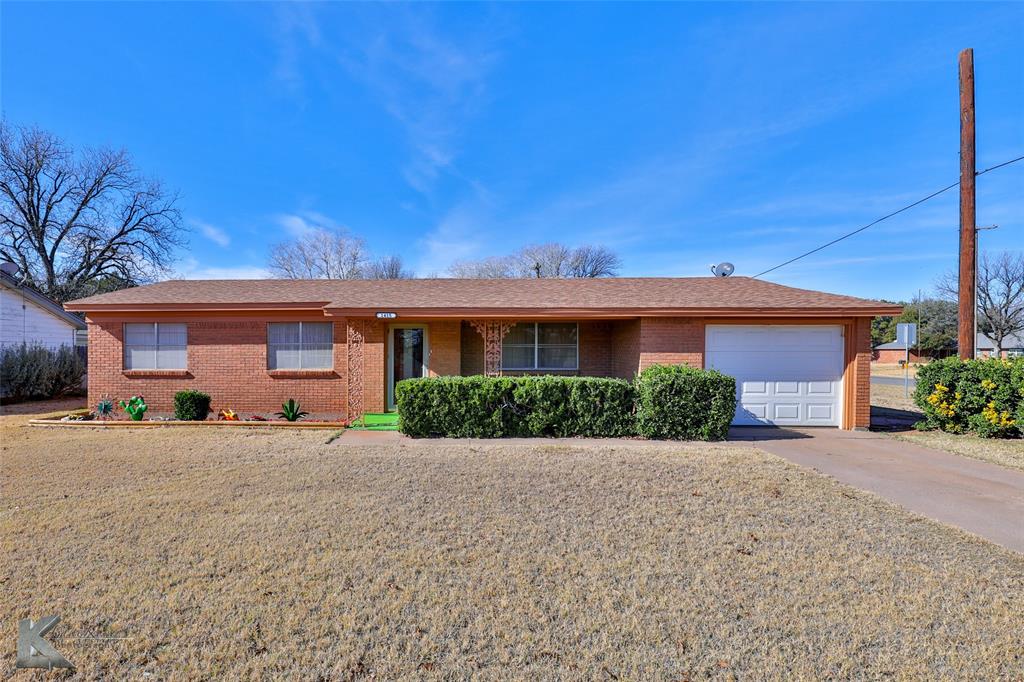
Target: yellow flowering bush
x=985, y=397
x=939, y=399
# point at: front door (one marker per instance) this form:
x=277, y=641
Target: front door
x=407, y=356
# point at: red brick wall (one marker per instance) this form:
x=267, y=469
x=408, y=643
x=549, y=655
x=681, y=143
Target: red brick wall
x=595, y=352
x=671, y=341
x=374, y=366
x=471, y=360
x=889, y=356
x=862, y=372
x=445, y=343
x=625, y=348
x=227, y=358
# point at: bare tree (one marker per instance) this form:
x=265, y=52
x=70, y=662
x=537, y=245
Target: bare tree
x=594, y=261
x=78, y=224
x=386, y=267
x=320, y=254
x=495, y=267
x=543, y=260
x=1000, y=294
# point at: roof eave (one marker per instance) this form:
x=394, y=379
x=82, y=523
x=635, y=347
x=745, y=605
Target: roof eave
x=85, y=307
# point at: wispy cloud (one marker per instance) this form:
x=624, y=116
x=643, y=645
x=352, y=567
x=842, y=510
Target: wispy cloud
x=212, y=232
x=190, y=268
x=460, y=234
x=430, y=81
x=301, y=223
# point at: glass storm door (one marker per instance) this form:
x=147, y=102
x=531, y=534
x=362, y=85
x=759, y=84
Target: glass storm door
x=406, y=357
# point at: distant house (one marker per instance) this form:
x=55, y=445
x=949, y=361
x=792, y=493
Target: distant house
x=1013, y=346
x=895, y=351
x=27, y=316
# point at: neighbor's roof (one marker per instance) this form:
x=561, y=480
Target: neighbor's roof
x=607, y=297
x=1010, y=341
x=40, y=300
x=893, y=345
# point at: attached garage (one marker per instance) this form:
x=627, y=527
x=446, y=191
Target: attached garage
x=786, y=375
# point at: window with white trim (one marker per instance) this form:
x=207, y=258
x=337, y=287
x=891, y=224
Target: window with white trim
x=300, y=345
x=155, y=345
x=541, y=346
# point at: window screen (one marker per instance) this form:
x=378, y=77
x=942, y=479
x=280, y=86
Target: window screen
x=300, y=345
x=541, y=345
x=155, y=345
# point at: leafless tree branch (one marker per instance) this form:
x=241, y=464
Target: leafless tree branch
x=543, y=260
x=79, y=224
x=1000, y=294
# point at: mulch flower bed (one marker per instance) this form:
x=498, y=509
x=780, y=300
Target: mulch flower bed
x=83, y=418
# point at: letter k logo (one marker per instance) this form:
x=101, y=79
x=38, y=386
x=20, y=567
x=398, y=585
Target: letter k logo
x=33, y=650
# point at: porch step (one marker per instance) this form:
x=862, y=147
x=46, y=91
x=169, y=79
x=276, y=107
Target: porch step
x=380, y=421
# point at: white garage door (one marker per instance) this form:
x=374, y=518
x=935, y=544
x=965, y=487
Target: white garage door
x=786, y=374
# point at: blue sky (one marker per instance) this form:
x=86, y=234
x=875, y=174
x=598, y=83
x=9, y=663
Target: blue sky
x=677, y=134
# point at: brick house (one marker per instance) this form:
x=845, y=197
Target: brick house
x=895, y=352
x=339, y=346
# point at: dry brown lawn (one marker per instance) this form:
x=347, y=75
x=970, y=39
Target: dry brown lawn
x=1007, y=453
x=270, y=554
x=880, y=369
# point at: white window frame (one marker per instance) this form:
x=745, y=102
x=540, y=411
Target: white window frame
x=156, y=347
x=536, y=351
x=300, y=368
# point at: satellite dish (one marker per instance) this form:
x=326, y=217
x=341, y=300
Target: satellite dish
x=723, y=269
x=10, y=268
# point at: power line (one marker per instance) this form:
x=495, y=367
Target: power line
x=885, y=217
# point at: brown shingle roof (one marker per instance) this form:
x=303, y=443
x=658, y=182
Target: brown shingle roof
x=679, y=296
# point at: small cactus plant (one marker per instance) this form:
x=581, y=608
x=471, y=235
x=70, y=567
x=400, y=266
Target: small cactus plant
x=135, y=407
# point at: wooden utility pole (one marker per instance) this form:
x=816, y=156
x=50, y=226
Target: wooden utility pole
x=968, y=226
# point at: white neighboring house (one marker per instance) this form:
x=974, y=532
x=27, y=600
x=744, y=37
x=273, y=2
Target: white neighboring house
x=28, y=317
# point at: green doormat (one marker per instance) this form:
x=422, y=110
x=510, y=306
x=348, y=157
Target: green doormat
x=386, y=421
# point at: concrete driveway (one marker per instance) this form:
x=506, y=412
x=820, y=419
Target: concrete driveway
x=979, y=497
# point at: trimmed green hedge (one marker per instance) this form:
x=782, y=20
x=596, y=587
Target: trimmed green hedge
x=982, y=396
x=683, y=403
x=192, y=406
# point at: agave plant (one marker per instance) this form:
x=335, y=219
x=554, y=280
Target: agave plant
x=105, y=408
x=291, y=411
x=135, y=407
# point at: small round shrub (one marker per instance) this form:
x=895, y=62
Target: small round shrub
x=191, y=405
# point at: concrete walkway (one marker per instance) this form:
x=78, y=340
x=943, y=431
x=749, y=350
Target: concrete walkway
x=979, y=497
